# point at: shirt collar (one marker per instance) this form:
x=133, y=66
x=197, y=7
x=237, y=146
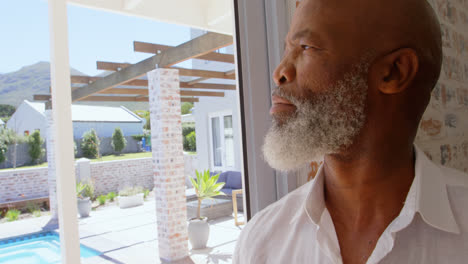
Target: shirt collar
x=431, y=195
x=427, y=195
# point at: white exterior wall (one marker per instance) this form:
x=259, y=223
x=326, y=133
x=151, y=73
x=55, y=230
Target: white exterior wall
x=27, y=118
x=203, y=108
x=105, y=129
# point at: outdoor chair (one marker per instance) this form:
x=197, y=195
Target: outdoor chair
x=233, y=190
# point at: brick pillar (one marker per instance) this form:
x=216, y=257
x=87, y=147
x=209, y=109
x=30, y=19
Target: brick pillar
x=168, y=164
x=50, y=142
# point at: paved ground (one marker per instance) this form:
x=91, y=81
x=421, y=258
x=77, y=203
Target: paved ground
x=130, y=235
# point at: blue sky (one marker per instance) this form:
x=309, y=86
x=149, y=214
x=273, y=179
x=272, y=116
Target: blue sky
x=94, y=35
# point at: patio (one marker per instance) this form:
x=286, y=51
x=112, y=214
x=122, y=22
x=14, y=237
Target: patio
x=130, y=235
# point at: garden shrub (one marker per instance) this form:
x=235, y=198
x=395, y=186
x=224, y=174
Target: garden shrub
x=186, y=131
x=12, y=215
x=8, y=137
x=192, y=141
x=186, y=107
x=31, y=207
x=102, y=199
x=111, y=196
x=118, y=140
x=37, y=213
x=90, y=144
x=3, y=151
x=146, y=193
x=35, y=142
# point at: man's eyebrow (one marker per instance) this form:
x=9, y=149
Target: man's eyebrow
x=307, y=33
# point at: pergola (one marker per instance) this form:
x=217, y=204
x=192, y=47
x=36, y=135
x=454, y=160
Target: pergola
x=164, y=88
x=125, y=83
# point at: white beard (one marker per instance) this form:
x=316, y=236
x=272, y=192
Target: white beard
x=323, y=124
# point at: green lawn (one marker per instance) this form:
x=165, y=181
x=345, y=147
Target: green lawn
x=104, y=158
x=123, y=156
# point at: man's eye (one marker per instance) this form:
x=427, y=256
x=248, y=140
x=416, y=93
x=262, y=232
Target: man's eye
x=307, y=47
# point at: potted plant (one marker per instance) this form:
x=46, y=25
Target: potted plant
x=206, y=187
x=130, y=197
x=84, y=192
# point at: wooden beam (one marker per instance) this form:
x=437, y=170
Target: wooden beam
x=189, y=100
x=158, y=48
x=193, y=48
x=215, y=56
x=113, y=66
x=231, y=72
x=146, y=47
x=144, y=92
x=41, y=97
x=125, y=91
x=83, y=79
x=197, y=81
x=208, y=86
x=200, y=93
x=46, y=97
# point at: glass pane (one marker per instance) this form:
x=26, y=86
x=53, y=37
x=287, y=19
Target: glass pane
x=229, y=141
x=217, y=161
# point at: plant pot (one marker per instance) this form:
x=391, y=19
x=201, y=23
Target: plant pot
x=198, y=233
x=84, y=207
x=131, y=201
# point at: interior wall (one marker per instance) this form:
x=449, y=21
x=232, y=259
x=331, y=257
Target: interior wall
x=443, y=132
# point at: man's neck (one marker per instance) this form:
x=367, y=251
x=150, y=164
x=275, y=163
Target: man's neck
x=364, y=193
x=371, y=187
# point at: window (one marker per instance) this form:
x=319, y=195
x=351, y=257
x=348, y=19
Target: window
x=221, y=141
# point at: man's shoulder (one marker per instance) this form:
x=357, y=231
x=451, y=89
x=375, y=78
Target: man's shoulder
x=268, y=224
x=285, y=207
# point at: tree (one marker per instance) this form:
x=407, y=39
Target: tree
x=35, y=142
x=192, y=141
x=118, y=140
x=90, y=144
x=146, y=115
x=186, y=130
x=6, y=110
x=3, y=150
x=186, y=107
x=9, y=137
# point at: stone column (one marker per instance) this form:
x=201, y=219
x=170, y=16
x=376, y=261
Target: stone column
x=50, y=142
x=168, y=164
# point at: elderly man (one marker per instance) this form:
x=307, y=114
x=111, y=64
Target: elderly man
x=354, y=82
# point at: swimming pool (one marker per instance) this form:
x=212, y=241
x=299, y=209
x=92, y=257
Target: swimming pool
x=40, y=248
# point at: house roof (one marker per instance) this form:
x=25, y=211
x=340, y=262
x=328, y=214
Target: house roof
x=89, y=113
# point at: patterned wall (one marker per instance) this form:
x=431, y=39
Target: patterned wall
x=443, y=133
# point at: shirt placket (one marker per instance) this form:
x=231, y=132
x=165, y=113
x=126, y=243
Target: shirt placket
x=327, y=239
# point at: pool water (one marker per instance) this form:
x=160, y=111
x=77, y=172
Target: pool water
x=41, y=248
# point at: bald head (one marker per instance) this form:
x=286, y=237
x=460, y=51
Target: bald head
x=411, y=24
x=380, y=27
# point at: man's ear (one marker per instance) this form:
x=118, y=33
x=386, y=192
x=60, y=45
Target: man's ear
x=394, y=72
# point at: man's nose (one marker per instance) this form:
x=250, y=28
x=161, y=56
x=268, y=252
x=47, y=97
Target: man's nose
x=284, y=73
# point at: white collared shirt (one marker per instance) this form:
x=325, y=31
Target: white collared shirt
x=432, y=226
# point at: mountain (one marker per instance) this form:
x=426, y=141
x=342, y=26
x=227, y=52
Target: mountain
x=26, y=82
x=35, y=79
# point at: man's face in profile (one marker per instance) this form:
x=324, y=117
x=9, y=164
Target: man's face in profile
x=319, y=105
